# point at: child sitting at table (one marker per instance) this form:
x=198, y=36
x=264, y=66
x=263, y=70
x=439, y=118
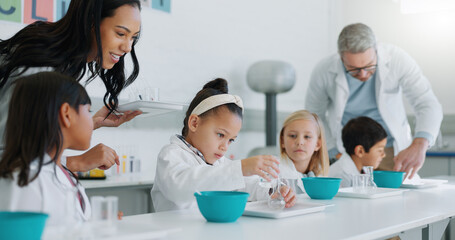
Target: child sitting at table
x=48, y=113
x=303, y=148
x=194, y=161
x=364, y=140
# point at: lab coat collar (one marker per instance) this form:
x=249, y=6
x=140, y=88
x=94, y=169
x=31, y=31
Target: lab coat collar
x=195, y=150
x=336, y=68
x=385, y=58
x=175, y=139
x=289, y=171
x=382, y=71
x=347, y=161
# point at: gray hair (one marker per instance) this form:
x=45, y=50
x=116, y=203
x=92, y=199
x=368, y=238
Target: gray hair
x=356, y=38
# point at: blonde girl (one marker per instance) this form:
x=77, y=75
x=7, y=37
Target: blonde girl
x=303, y=147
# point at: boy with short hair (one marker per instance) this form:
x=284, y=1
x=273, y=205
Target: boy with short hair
x=364, y=140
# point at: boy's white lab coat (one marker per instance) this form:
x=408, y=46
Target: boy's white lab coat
x=397, y=75
x=180, y=173
x=344, y=168
x=49, y=193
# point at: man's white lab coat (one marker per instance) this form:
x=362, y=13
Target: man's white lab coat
x=397, y=75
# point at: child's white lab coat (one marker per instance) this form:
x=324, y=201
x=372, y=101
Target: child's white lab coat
x=50, y=193
x=288, y=171
x=180, y=173
x=344, y=168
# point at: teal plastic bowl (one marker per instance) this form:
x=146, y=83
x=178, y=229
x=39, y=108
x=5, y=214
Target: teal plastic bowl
x=388, y=179
x=321, y=187
x=221, y=206
x=22, y=225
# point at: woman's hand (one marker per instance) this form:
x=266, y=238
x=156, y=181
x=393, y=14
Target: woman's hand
x=260, y=165
x=114, y=120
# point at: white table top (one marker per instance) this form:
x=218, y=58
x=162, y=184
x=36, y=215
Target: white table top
x=119, y=181
x=350, y=218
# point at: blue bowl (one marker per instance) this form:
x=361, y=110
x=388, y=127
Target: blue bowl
x=221, y=206
x=22, y=225
x=388, y=179
x=321, y=187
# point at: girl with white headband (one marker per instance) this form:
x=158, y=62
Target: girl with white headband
x=194, y=161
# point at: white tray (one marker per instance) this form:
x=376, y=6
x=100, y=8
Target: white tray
x=151, y=107
x=376, y=193
x=424, y=183
x=261, y=209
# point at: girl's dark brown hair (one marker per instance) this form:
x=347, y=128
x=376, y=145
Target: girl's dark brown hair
x=214, y=87
x=32, y=127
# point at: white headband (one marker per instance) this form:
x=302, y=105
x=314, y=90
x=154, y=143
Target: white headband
x=215, y=101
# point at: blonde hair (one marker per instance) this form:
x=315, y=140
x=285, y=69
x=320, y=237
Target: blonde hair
x=319, y=162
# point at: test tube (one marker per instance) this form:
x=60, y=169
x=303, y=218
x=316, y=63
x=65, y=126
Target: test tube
x=124, y=159
x=132, y=162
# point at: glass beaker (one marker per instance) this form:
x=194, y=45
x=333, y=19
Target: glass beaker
x=276, y=199
x=104, y=214
x=360, y=182
x=369, y=171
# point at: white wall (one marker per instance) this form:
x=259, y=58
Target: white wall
x=204, y=39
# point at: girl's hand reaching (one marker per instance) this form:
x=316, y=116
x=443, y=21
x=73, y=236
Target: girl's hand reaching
x=289, y=196
x=260, y=165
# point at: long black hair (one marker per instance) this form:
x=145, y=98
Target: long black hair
x=64, y=45
x=214, y=87
x=32, y=128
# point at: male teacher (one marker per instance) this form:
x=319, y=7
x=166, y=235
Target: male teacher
x=369, y=79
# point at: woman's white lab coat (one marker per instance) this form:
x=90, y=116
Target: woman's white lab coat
x=397, y=74
x=51, y=193
x=345, y=169
x=180, y=173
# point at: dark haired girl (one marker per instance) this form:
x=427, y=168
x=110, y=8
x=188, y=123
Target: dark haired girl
x=194, y=161
x=48, y=113
x=94, y=35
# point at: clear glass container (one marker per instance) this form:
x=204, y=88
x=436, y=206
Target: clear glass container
x=276, y=199
x=369, y=171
